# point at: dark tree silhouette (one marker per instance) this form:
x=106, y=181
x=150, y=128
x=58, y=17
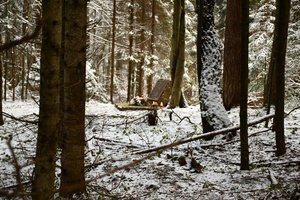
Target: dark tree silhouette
x=177, y=54
x=244, y=5
x=44, y=174
x=279, y=52
x=72, y=160
x=232, y=55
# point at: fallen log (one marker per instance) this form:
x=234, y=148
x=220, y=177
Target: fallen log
x=205, y=135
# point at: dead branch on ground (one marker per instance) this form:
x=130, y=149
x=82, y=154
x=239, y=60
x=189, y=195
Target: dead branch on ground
x=18, y=119
x=205, y=135
x=181, y=118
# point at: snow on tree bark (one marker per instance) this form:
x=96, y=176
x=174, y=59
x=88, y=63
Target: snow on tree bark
x=213, y=112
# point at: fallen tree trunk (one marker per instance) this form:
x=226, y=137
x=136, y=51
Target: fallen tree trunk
x=205, y=135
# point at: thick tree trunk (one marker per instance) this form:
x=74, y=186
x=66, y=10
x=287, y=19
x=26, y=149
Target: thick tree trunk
x=72, y=176
x=279, y=50
x=177, y=54
x=213, y=112
x=44, y=174
x=232, y=55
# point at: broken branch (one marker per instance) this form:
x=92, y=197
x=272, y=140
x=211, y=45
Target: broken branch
x=205, y=135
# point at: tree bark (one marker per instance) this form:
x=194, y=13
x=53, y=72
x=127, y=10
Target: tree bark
x=152, y=47
x=213, y=112
x=72, y=176
x=280, y=45
x=5, y=74
x=140, y=75
x=112, y=62
x=232, y=56
x=13, y=73
x=177, y=54
x=244, y=34
x=130, y=62
x=1, y=86
x=44, y=174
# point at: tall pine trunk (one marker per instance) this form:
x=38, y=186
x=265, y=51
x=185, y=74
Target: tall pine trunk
x=141, y=42
x=152, y=47
x=130, y=62
x=279, y=51
x=112, y=62
x=177, y=54
x=72, y=176
x=43, y=186
x=232, y=55
x=1, y=86
x=244, y=31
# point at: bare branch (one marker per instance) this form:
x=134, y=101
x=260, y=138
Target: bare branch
x=17, y=167
x=205, y=135
x=17, y=119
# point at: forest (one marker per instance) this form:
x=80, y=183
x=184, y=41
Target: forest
x=149, y=99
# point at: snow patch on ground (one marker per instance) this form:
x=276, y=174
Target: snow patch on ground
x=114, y=136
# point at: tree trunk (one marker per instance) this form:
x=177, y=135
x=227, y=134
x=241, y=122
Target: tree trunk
x=213, y=112
x=7, y=38
x=130, y=63
x=244, y=35
x=13, y=73
x=23, y=77
x=279, y=50
x=29, y=62
x=269, y=87
x=232, y=55
x=177, y=54
x=113, y=52
x=44, y=174
x=61, y=131
x=5, y=74
x=1, y=85
x=140, y=75
x=152, y=47
x=24, y=55
x=72, y=176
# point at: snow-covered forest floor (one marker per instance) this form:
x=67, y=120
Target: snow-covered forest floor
x=196, y=170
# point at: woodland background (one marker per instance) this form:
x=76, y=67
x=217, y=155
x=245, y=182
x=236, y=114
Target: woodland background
x=104, y=44
x=21, y=64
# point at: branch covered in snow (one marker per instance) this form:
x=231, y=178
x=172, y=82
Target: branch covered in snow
x=23, y=39
x=17, y=119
